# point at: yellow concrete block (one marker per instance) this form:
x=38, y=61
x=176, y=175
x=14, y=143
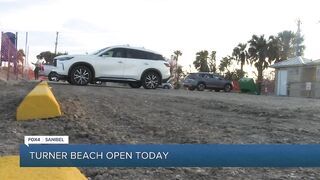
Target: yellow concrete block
x=39, y=103
x=10, y=170
x=43, y=83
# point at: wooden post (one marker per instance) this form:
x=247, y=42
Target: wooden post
x=25, y=52
x=15, y=64
x=9, y=58
x=1, y=50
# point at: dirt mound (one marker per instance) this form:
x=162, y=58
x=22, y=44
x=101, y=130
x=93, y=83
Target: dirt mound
x=2, y=82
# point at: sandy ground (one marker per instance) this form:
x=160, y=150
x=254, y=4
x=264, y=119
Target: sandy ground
x=95, y=114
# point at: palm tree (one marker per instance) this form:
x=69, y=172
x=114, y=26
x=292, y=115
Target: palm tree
x=201, y=63
x=176, y=55
x=286, y=45
x=212, y=63
x=274, y=47
x=240, y=53
x=225, y=63
x=258, y=54
x=299, y=48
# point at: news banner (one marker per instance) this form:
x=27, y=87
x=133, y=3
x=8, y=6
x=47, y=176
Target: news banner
x=55, y=151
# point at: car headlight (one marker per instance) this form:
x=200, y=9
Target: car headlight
x=64, y=58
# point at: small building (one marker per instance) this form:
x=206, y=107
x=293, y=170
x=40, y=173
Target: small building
x=298, y=76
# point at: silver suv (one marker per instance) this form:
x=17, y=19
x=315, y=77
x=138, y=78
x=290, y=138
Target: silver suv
x=205, y=80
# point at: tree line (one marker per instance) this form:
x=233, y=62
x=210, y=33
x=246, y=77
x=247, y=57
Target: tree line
x=259, y=52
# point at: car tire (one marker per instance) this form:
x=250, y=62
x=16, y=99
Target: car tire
x=98, y=83
x=53, y=76
x=166, y=87
x=201, y=87
x=80, y=75
x=150, y=80
x=227, y=88
x=135, y=85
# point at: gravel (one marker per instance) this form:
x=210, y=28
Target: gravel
x=120, y=115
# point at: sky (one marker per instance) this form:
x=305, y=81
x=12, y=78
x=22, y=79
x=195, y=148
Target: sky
x=160, y=25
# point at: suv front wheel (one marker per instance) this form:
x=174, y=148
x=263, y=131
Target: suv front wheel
x=80, y=75
x=150, y=80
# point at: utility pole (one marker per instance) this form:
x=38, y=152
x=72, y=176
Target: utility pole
x=56, y=44
x=298, y=36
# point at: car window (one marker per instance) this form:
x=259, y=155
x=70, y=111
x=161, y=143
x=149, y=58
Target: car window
x=157, y=57
x=207, y=76
x=119, y=53
x=217, y=78
x=150, y=55
x=136, y=54
x=191, y=76
x=108, y=53
x=204, y=75
x=99, y=51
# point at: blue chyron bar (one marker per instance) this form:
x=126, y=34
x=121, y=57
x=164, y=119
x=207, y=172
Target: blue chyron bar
x=171, y=155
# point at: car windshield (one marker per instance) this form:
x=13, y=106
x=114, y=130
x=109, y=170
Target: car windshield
x=99, y=51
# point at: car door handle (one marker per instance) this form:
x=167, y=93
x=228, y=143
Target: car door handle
x=146, y=64
x=119, y=61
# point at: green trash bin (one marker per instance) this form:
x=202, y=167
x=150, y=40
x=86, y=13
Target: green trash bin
x=247, y=85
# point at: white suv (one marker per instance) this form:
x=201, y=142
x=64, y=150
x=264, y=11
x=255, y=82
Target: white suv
x=136, y=66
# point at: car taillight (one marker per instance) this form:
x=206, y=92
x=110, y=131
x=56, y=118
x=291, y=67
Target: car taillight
x=167, y=64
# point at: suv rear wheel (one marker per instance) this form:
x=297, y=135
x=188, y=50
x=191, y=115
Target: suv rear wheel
x=227, y=88
x=80, y=75
x=150, y=80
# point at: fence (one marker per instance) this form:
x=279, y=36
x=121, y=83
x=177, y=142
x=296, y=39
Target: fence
x=9, y=74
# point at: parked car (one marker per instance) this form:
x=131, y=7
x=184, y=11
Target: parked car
x=166, y=85
x=46, y=70
x=204, y=80
x=136, y=66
